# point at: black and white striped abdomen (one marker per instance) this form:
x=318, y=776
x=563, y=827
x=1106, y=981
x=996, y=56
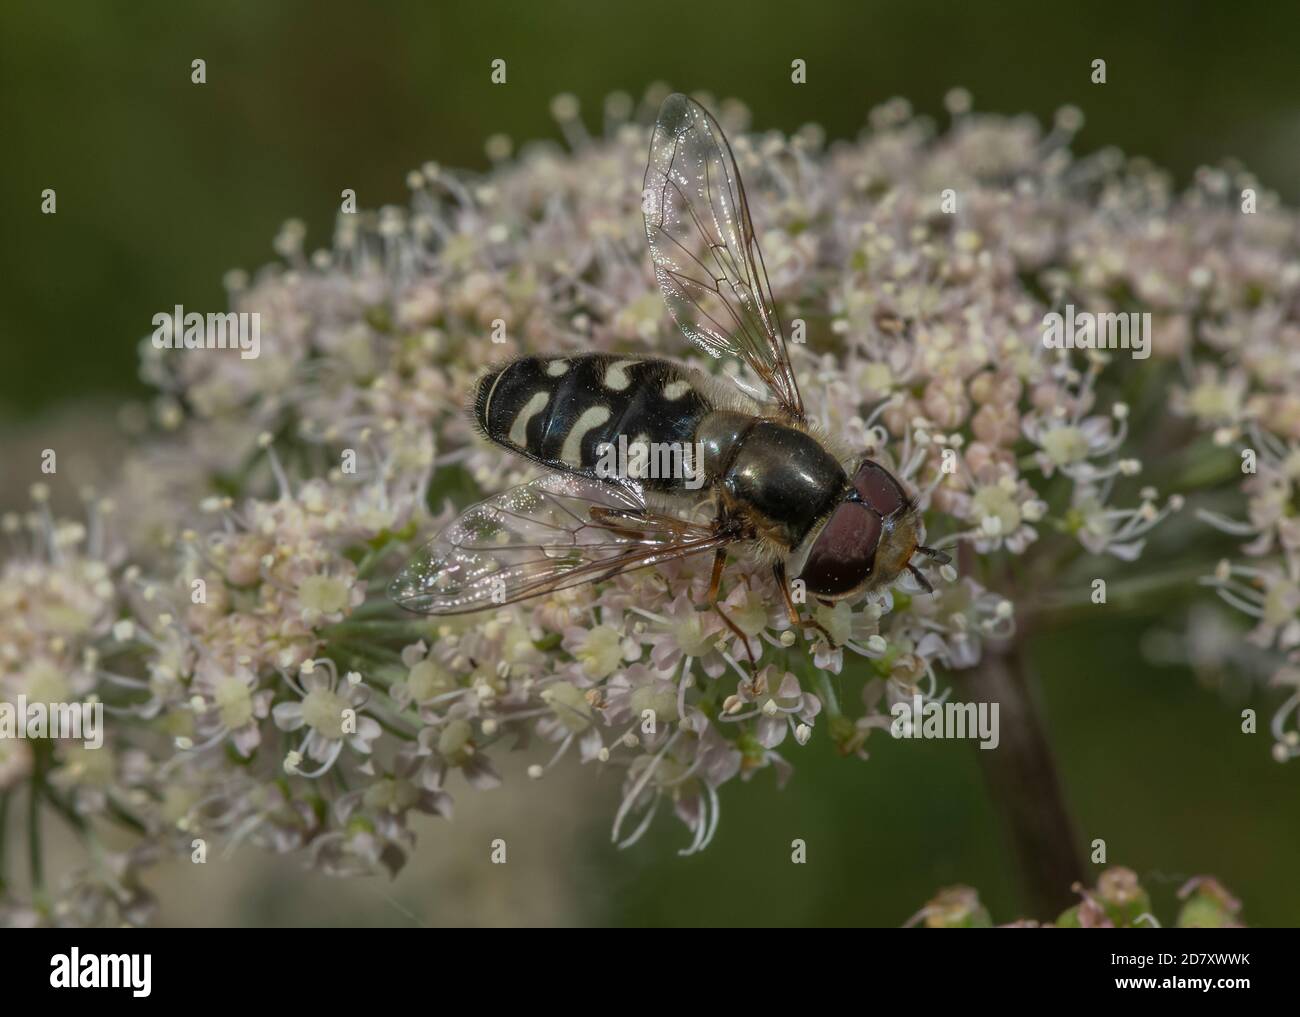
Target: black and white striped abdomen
x=560, y=410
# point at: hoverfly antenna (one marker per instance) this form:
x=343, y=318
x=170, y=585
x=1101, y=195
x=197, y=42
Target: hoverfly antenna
x=933, y=555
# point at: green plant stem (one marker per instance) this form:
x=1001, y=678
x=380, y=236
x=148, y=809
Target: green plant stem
x=5, y=799
x=1121, y=593
x=124, y=818
x=1023, y=782
x=830, y=702
x=379, y=629
x=35, y=792
x=64, y=808
x=370, y=653
x=391, y=723
x=367, y=564
x=1021, y=772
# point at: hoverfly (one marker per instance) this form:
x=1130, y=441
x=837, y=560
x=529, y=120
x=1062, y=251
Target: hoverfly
x=770, y=481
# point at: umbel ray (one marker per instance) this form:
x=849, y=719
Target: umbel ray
x=766, y=480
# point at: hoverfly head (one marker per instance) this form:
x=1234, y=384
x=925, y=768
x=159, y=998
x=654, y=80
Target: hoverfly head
x=866, y=540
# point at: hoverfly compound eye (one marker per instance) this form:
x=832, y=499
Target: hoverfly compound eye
x=844, y=553
x=878, y=488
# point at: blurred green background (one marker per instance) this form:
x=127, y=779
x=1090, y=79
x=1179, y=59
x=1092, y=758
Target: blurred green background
x=163, y=186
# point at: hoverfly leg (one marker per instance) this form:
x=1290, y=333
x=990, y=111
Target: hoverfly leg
x=715, y=588
x=826, y=634
x=715, y=581
x=792, y=612
x=919, y=576
x=608, y=519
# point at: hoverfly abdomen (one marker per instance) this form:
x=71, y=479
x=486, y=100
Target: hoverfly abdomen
x=595, y=413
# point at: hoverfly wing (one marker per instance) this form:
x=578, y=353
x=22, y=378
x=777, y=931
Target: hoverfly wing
x=706, y=258
x=558, y=531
